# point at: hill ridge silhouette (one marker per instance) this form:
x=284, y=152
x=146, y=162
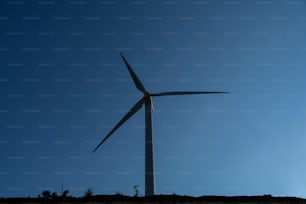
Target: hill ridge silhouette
x=158, y=199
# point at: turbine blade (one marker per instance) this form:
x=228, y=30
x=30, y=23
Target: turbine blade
x=131, y=112
x=176, y=93
x=136, y=80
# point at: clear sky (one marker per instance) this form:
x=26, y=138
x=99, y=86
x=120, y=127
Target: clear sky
x=63, y=86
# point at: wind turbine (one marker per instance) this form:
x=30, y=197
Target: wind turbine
x=147, y=100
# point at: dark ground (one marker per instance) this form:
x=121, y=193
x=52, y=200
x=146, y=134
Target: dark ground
x=171, y=199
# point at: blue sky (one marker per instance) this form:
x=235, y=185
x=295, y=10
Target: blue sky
x=63, y=86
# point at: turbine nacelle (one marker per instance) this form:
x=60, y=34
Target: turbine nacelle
x=149, y=101
x=146, y=94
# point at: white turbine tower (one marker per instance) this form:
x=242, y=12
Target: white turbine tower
x=147, y=100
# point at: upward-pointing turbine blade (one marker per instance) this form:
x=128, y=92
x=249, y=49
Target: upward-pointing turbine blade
x=175, y=93
x=131, y=112
x=136, y=80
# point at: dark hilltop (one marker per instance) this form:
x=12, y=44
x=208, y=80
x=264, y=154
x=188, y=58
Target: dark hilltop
x=171, y=199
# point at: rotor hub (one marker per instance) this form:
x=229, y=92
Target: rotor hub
x=146, y=94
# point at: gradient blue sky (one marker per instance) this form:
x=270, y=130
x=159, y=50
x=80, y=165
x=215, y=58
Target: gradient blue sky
x=63, y=86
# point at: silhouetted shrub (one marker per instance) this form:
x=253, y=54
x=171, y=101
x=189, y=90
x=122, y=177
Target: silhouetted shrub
x=88, y=193
x=65, y=194
x=46, y=194
x=54, y=196
x=118, y=193
x=136, y=191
